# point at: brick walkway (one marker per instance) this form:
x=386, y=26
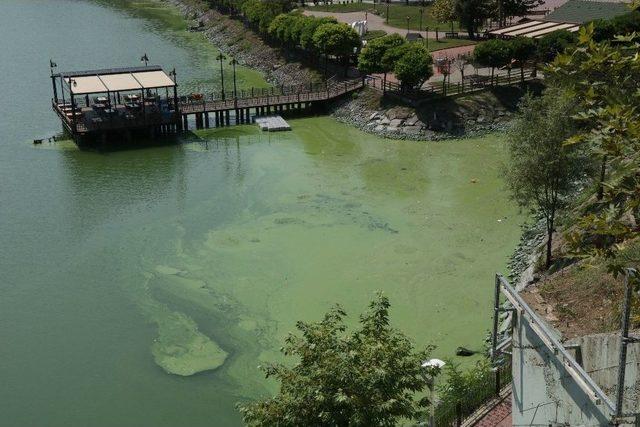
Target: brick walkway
x=499, y=416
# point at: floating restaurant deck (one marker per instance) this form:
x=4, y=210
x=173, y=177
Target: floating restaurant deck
x=96, y=103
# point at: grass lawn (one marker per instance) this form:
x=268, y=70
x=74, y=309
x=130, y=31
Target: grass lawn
x=447, y=43
x=397, y=14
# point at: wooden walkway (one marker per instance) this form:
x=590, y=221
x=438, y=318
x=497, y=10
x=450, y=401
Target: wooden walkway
x=263, y=103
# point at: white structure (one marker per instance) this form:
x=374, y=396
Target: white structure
x=360, y=27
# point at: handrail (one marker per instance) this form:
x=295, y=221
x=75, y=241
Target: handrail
x=327, y=91
x=584, y=381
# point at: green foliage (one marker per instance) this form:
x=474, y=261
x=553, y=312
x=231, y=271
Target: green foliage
x=414, y=65
x=444, y=10
x=519, y=7
x=472, y=14
x=336, y=39
x=309, y=28
x=493, y=53
x=555, y=43
x=371, y=57
x=602, y=78
x=542, y=172
x=623, y=24
x=368, y=377
x=261, y=13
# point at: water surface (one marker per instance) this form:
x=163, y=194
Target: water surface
x=119, y=266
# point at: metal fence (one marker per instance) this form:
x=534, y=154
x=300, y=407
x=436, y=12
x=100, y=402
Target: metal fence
x=470, y=83
x=454, y=412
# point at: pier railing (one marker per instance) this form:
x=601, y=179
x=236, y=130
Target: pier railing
x=269, y=97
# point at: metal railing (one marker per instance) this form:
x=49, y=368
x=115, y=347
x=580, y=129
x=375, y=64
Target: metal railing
x=470, y=83
x=454, y=413
x=573, y=368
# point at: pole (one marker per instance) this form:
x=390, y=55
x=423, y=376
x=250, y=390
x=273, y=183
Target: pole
x=220, y=58
x=408, y=19
x=387, y=17
x=624, y=339
x=235, y=88
x=496, y=313
x=421, y=12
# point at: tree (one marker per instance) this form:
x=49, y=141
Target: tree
x=493, y=53
x=603, y=80
x=542, y=171
x=553, y=44
x=523, y=49
x=461, y=62
x=414, y=65
x=472, y=13
x=508, y=8
x=444, y=11
x=336, y=39
x=309, y=28
x=372, y=57
x=368, y=377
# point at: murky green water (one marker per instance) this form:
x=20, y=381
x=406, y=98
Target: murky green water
x=115, y=266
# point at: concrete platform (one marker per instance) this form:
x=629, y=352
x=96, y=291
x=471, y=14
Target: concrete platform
x=272, y=123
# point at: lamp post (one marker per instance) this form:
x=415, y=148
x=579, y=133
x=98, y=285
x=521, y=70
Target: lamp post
x=221, y=58
x=408, y=19
x=145, y=59
x=421, y=13
x=387, y=17
x=235, y=87
x=426, y=36
x=432, y=368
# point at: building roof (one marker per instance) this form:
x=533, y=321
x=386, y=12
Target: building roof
x=581, y=11
x=534, y=29
x=413, y=36
x=116, y=80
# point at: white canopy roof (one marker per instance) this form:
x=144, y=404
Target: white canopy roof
x=86, y=84
x=154, y=79
x=118, y=82
x=534, y=29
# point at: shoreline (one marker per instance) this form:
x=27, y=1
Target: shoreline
x=230, y=37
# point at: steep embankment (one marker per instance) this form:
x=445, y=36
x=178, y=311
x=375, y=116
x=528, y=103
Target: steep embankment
x=232, y=38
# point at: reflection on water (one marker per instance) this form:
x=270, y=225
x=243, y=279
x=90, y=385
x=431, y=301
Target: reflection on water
x=199, y=257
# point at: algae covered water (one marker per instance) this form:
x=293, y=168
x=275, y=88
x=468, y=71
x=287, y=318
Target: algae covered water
x=144, y=287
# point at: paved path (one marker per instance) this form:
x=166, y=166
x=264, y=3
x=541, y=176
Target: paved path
x=499, y=416
x=375, y=22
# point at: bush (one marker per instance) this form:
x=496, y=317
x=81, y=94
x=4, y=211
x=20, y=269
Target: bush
x=552, y=44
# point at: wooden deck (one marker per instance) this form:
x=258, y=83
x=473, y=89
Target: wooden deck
x=325, y=93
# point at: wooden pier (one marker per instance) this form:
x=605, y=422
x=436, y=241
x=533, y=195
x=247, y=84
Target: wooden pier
x=212, y=111
x=97, y=104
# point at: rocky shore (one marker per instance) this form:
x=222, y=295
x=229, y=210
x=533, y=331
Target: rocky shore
x=232, y=38
x=444, y=119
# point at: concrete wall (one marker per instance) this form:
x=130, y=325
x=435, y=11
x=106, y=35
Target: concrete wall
x=545, y=394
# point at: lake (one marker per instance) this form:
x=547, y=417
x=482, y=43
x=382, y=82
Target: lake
x=120, y=267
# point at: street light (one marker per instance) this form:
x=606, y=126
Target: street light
x=387, y=18
x=421, y=12
x=433, y=367
x=221, y=58
x=408, y=19
x=235, y=88
x=426, y=36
